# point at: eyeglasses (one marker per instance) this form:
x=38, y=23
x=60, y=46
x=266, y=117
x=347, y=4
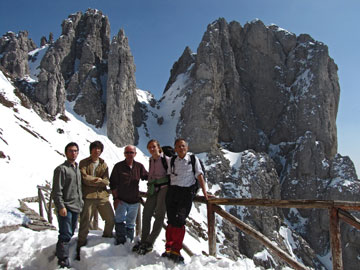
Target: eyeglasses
x=129, y=153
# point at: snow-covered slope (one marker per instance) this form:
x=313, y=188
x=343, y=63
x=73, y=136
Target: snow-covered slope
x=30, y=149
x=163, y=116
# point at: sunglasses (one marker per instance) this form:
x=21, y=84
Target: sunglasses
x=129, y=153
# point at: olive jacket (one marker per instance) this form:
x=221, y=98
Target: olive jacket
x=90, y=188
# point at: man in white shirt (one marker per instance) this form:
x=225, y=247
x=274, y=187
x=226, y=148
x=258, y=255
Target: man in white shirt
x=181, y=192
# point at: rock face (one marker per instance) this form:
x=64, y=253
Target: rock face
x=14, y=49
x=257, y=85
x=121, y=92
x=77, y=62
x=308, y=174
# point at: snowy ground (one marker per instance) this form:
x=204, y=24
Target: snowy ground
x=26, y=249
x=30, y=149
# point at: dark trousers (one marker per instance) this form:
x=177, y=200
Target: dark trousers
x=67, y=226
x=178, y=204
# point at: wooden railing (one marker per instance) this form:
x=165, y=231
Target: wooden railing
x=336, y=209
x=42, y=202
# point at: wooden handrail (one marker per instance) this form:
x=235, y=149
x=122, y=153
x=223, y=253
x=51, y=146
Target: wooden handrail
x=287, y=203
x=260, y=237
x=348, y=218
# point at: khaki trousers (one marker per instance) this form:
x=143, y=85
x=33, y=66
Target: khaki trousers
x=154, y=204
x=103, y=206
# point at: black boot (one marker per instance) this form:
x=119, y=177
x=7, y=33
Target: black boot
x=130, y=234
x=120, y=233
x=78, y=247
x=62, y=253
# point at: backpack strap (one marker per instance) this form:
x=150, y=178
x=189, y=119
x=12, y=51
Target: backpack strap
x=172, y=164
x=192, y=159
x=164, y=163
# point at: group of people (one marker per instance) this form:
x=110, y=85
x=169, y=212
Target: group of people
x=81, y=189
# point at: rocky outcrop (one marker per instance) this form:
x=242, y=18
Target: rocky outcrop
x=14, y=49
x=77, y=62
x=181, y=66
x=253, y=175
x=308, y=174
x=255, y=85
x=121, y=92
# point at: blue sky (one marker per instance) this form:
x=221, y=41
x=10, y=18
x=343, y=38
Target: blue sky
x=159, y=31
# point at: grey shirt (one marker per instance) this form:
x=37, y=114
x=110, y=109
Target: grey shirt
x=66, y=188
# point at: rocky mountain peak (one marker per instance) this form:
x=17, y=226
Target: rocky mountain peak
x=77, y=62
x=14, y=49
x=121, y=92
x=186, y=59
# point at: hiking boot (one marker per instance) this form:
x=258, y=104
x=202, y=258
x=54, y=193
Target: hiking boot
x=64, y=263
x=176, y=257
x=136, y=247
x=77, y=256
x=145, y=248
x=78, y=247
x=166, y=254
x=120, y=236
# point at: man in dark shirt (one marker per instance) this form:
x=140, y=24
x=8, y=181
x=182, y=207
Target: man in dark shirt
x=66, y=192
x=124, y=185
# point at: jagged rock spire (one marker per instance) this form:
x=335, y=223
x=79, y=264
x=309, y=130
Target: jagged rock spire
x=121, y=92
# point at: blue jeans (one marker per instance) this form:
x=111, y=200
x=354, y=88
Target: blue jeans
x=126, y=213
x=67, y=225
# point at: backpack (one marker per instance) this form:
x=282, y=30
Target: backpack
x=192, y=160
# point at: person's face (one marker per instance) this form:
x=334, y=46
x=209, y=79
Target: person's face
x=130, y=153
x=95, y=153
x=181, y=148
x=72, y=153
x=154, y=149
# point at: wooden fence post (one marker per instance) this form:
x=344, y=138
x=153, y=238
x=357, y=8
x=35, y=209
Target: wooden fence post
x=50, y=210
x=335, y=239
x=40, y=203
x=138, y=221
x=211, y=229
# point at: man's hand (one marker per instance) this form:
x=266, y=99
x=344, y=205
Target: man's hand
x=63, y=212
x=116, y=203
x=98, y=180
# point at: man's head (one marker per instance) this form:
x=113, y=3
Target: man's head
x=130, y=153
x=71, y=151
x=181, y=147
x=96, y=148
